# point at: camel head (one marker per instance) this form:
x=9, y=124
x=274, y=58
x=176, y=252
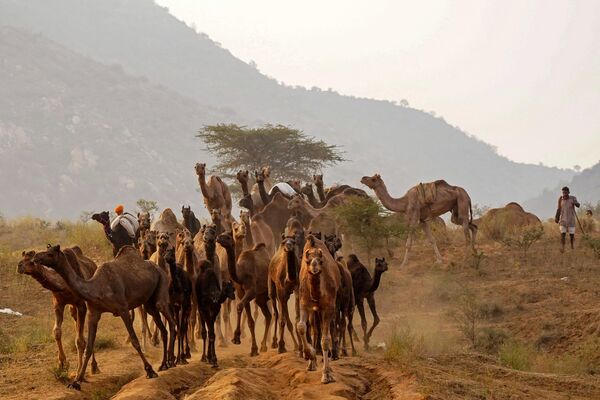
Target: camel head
x=318, y=180
x=242, y=176
x=333, y=243
x=215, y=216
x=225, y=239
x=314, y=235
x=296, y=203
x=186, y=212
x=185, y=239
x=246, y=202
x=210, y=233
x=314, y=260
x=102, y=217
x=144, y=220
x=239, y=230
x=170, y=256
x=259, y=176
x=288, y=243
x=380, y=264
x=245, y=217
x=200, y=169
x=163, y=241
x=26, y=265
x=49, y=257
x=373, y=182
x=204, y=265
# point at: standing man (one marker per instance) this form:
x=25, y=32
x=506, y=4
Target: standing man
x=565, y=217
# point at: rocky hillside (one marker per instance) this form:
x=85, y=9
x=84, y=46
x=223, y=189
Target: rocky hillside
x=403, y=144
x=78, y=135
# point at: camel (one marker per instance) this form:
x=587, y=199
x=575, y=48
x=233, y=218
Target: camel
x=190, y=222
x=511, y=216
x=180, y=300
x=163, y=242
x=144, y=221
x=119, y=237
x=319, y=284
x=257, y=199
x=364, y=288
x=242, y=177
x=215, y=193
x=147, y=243
x=116, y=287
x=419, y=211
x=218, y=220
x=320, y=220
x=62, y=296
x=283, y=281
x=210, y=296
x=167, y=223
x=257, y=229
x=249, y=271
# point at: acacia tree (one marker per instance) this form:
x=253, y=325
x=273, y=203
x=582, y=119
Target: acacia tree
x=289, y=152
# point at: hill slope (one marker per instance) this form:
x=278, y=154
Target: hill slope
x=405, y=145
x=77, y=135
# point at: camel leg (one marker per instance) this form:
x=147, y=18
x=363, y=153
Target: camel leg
x=309, y=352
x=145, y=328
x=204, y=333
x=407, y=247
x=59, y=312
x=276, y=311
x=218, y=328
x=427, y=229
x=168, y=339
x=267, y=314
x=254, y=348
x=351, y=331
x=342, y=333
x=89, y=349
x=136, y=344
x=227, y=318
x=285, y=320
x=326, y=335
x=239, y=309
x=363, y=323
x=187, y=308
x=194, y=315
x=373, y=308
x=297, y=309
x=212, y=353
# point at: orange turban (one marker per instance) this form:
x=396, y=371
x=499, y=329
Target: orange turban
x=119, y=209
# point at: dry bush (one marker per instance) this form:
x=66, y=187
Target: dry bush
x=496, y=228
x=490, y=340
x=467, y=315
x=516, y=355
x=522, y=239
x=403, y=346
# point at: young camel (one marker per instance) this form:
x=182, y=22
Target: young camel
x=249, y=271
x=180, y=300
x=116, y=287
x=364, y=288
x=283, y=281
x=215, y=193
x=210, y=296
x=61, y=297
x=319, y=285
x=448, y=198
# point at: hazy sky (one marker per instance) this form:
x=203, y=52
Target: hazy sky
x=521, y=75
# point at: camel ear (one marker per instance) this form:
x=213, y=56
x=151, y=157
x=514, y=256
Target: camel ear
x=56, y=248
x=48, y=246
x=320, y=253
x=23, y=254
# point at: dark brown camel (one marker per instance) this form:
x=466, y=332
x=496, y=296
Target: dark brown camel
x=116, y=287
x=180, y=300
x=190, y=222
x=249, y=271
x=61, y=297
x=364, y=288
x=119, y=237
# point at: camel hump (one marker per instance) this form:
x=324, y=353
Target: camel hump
x=259, y=246
x=427, y=192
x=126, y=251
x=77, y=250
x=514, y=205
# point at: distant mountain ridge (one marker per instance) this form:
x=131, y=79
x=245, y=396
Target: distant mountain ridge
x=406, y=146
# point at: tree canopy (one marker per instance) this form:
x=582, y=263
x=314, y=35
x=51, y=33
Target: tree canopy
x=289, y=152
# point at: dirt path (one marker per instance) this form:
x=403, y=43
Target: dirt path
x=272, y=376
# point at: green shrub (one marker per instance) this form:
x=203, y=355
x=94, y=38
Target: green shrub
x=516, y=355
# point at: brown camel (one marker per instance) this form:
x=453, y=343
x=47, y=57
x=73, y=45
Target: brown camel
x=116, y=287
x=215, y=193
x=242, y=177
x=265, y=174
x=147, y=244
x=320, y=220
x=167, y=223
x=283, y=281
x=319, y=284
x=62, y=296
x=364, y=288
x=249, y=271
x=257, y=229
x=190, y=222
x=511, y=215
x=420, y=210
x=180, y=300
x=144, y=219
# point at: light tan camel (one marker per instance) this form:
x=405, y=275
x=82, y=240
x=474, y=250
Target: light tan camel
x=62, y=296
x=319, y=284
x=320, y=220
x=249, y=271
x=215, y=193
x=447, y=198
x=117, y=286
x=167, y=223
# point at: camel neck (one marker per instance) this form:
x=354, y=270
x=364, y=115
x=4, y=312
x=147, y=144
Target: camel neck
x=320, y=192
x=248, y=239
x=312, y=199
x=47, y=281
x=77, y=284
x=238, y=246
x=203, y=186
x=264, y=196
x=244, y=185
x=376, y=281
x=310, y=210
x=210, y=250
x=314, y=287
x=231, y=267
x=392, y=204
x=188, y=261
x=292, y=272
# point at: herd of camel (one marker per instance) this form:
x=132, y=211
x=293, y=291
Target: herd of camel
x=188, y=276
